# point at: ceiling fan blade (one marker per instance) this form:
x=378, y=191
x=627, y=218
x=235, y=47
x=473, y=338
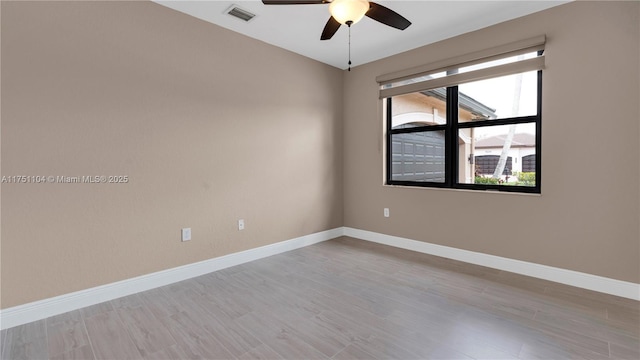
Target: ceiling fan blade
x=295, y=2
x=332, y=26
x=387, y=16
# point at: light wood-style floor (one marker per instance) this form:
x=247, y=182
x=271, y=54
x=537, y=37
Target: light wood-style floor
x=343, y=299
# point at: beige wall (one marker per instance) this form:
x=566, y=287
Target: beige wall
x=210, y=126
x=587, y=216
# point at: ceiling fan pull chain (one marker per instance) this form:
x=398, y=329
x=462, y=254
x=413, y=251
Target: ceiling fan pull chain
x=349, y=25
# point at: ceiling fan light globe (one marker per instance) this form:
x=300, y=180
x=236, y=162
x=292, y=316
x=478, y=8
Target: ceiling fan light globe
x=348, y=10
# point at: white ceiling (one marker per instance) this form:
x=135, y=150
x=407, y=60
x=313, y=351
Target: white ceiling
x=298, y=27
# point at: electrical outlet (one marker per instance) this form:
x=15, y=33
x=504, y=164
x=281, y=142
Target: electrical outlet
x=241, y=224
x=186, y=234
x=386, y=212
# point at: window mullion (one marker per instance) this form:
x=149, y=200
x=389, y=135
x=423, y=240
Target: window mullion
x=539, y=134
x=451, y=150
x=389, y=143
x=419, y=129
x=498, y=122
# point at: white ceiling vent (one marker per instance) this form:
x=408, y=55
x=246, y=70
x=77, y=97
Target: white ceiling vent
x=240, y=13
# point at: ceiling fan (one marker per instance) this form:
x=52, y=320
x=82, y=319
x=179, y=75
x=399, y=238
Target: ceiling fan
x=349, y=12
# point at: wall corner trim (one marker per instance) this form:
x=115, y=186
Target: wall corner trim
x=568, y=277
x=43, y=309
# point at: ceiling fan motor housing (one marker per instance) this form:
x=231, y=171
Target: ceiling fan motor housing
x=348, y=11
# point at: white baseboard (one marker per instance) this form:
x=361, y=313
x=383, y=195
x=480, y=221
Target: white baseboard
x=586, y=281
x=42, y=309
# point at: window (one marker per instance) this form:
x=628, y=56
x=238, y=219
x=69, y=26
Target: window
x=469, y=123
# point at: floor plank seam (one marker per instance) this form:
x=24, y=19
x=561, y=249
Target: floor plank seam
x=88, y=337
x=46, y=337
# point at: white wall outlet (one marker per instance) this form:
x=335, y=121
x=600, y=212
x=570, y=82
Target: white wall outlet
x=186, y=234
x=386, y=212
x=241, y=224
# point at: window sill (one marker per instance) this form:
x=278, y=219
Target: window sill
x=489, y=191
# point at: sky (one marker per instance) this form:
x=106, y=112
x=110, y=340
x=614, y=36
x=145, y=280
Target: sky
x=501, y=93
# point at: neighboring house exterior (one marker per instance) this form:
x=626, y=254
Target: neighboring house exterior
x=420, y=156
x=521, y=156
